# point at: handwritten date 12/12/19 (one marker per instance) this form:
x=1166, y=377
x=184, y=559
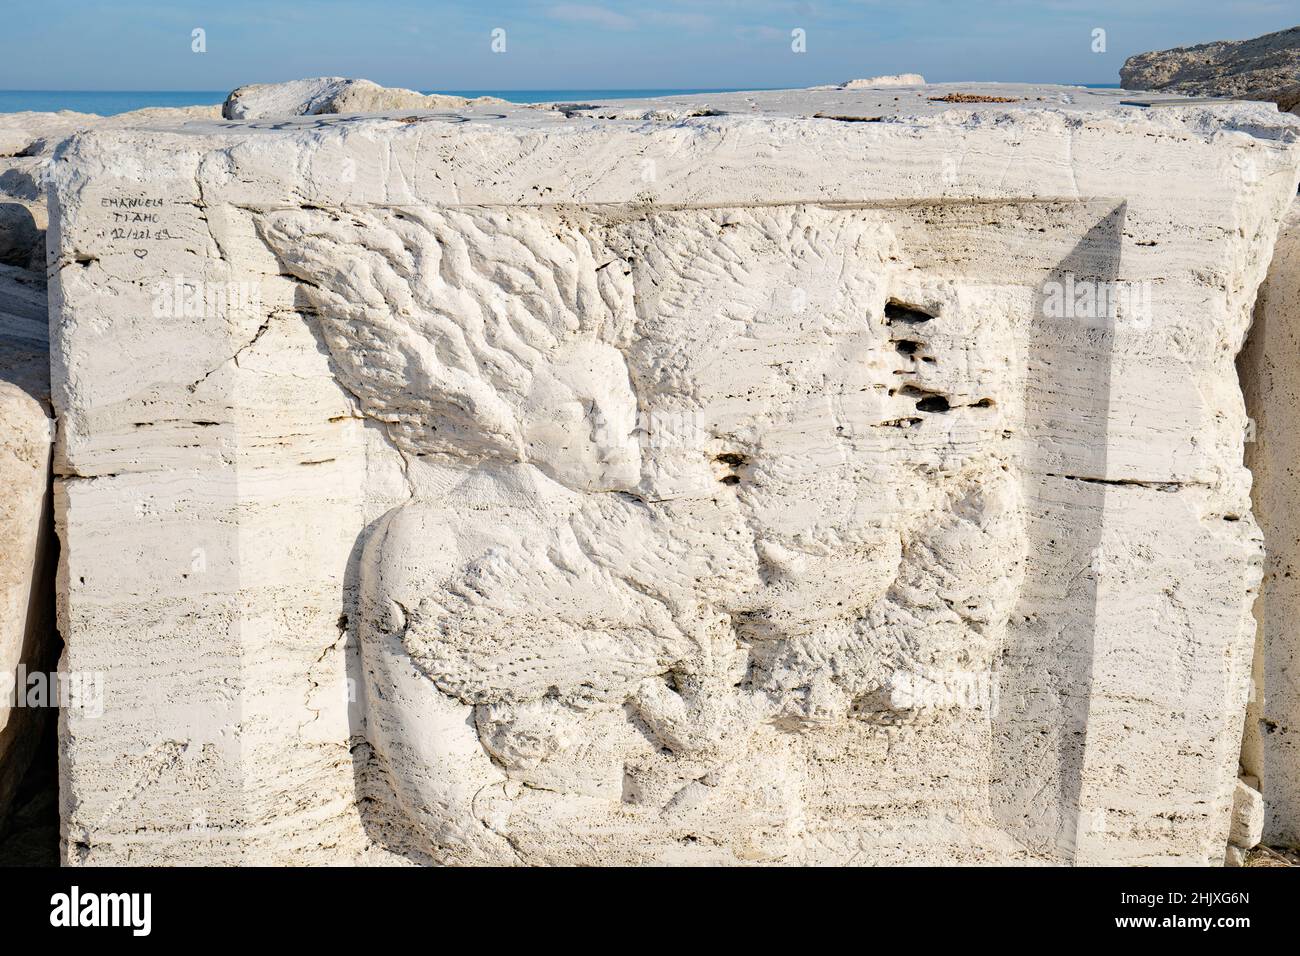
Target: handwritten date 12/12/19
x=136, y=235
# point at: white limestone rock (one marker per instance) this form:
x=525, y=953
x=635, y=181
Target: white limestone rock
x=292, y=98
x=26, y=529
x=894, y=79
x=874, y=82
x=1247, y=827
x=528, y=486
x=30, y=134
x=1261, y=68
x=27, y=144
x=333, y=94
x=1270, y=379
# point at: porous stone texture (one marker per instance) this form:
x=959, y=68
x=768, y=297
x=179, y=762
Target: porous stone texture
x=893, y=79
x=333, y=94
x=26, y=527
x=874, y=82
x=1247, y=827
x=525, y=486
x=1270, y=377
x=1264, y=68
x=24, y=139
x=27, y=144
x=28, y=641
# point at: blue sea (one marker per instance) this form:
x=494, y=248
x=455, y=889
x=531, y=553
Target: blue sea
x=110, y=102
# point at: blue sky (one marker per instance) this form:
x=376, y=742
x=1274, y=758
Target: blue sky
x=129, y=45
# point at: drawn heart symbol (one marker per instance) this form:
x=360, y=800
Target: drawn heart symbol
x=141, y=253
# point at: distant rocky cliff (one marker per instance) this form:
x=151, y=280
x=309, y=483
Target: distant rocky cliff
x=1265, y=68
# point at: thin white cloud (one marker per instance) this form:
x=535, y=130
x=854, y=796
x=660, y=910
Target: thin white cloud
x=588, y=13
x=762, y=33
x=644, y=16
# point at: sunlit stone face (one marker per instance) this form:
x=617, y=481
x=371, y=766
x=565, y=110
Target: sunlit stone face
x=699, y=491
x=712, y=479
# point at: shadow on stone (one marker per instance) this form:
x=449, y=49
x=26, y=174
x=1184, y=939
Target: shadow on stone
x=1046, y=684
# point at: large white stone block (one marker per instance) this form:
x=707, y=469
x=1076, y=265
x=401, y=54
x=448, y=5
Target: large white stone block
x=1247, y=827
x=716, y=482
x=27, y=639
x=1270, y=378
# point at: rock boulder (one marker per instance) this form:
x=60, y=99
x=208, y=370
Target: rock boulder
x=332, y=94
x=741, y=482
x=26, y=527
x=1265, y=68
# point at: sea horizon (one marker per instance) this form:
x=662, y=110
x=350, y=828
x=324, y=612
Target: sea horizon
x=112, y=102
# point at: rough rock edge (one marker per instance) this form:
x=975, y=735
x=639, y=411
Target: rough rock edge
x=1266, y=68
x=334, y=94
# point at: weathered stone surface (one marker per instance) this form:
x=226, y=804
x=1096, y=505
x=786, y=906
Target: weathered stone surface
x=737, y=488
x=1265, y=68
x=24, y=139
x=26, y=532
x=27, y=636
x=22, y=235
x=30, y=134
x=1247, y=827
x=1270, y=377
x=895, y=79
x=27, y=144
x=333, y=94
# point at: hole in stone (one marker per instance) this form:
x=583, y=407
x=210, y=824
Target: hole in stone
x=730, y=479
x=907, y=346
x=896, y=311
x=732, y=458
x=926, y=401
x=849, y=119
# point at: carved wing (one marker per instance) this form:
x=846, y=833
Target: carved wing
x=475, y=333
